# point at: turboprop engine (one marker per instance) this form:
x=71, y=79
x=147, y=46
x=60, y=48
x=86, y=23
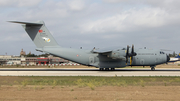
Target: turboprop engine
x=118, y=54
x=123, y=54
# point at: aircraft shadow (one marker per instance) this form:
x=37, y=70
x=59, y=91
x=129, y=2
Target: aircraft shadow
x=88, y=70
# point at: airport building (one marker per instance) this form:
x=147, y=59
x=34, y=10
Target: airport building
x=5, y=59
x=21, y=60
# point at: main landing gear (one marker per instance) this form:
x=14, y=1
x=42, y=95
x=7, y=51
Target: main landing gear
x=153, y=68
x=106, y=69
x=101, y=69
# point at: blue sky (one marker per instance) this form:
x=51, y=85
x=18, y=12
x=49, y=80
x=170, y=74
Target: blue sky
x=93, y=23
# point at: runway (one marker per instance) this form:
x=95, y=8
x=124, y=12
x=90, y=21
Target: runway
x=87, y=72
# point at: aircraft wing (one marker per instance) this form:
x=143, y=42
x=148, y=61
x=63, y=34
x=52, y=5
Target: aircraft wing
x=110, y=53
x=101, y=51
x=106, y=50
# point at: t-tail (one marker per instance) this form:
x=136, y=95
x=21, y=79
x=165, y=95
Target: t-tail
x=45, y=42
x=178, y=56
x=39, y=34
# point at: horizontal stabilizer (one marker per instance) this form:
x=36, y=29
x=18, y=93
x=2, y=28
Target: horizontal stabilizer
x=28, y=23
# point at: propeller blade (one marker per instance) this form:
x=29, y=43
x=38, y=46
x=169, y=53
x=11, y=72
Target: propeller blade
x=132, y=49
x=131, y=60
x=127, y=54
x=132, y=54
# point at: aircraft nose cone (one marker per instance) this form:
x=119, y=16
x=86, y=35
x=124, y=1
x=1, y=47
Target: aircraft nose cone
x=168, y=58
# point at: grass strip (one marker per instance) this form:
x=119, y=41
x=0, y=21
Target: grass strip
x=90, y=81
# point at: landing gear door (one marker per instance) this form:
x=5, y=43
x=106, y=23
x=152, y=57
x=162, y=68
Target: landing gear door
x=142, y=61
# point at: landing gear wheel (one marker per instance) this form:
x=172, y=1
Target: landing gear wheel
x=101, y=69
x=153, y=68
x=106, y=68
x=112, y=68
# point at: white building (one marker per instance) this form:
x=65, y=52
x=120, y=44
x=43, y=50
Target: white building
x=11, y=60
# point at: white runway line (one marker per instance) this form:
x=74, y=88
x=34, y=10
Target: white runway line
x=83, y=72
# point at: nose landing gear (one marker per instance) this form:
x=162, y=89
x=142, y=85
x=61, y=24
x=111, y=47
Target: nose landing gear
x=153, y=68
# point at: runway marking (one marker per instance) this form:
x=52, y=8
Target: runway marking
x=88, y=72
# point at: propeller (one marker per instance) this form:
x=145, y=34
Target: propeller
x=130, y=54
x=127, y=54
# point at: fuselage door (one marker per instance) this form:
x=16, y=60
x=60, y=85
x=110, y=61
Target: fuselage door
x=142, y=61
x=156, y=60
x=91, y=60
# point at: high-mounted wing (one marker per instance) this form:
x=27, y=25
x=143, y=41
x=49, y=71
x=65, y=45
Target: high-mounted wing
x=116, y=53
x=107, y=49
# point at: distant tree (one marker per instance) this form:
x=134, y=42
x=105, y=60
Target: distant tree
x=31, y=55
x=170, y=55
x=43, y=55
x=173, y=54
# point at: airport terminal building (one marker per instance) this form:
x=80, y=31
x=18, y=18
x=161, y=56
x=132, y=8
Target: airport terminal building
x=21, y=60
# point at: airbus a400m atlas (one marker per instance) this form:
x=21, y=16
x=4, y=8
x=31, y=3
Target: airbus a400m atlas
x=102, y=59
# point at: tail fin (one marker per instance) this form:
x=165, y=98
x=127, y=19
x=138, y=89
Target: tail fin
x=178, y=56
x=38, y=33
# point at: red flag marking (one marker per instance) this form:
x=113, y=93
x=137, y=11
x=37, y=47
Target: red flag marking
x=40, y=31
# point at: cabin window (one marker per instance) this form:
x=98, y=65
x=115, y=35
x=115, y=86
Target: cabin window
x=124, y=49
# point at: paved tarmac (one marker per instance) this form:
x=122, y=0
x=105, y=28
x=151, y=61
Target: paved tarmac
x=87, y=72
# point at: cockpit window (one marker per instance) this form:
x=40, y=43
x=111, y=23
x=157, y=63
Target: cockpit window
x=124, y=49
x=162, y=52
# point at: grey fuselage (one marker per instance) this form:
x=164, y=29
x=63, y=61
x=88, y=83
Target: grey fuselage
x=144, y=57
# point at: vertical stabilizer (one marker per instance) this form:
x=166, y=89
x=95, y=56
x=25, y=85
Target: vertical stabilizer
x=38, y=33
x=178, y=56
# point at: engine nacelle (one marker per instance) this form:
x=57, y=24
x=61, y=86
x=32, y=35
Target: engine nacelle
x=117, y=54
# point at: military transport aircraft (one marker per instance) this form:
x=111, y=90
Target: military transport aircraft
x=102, y=59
